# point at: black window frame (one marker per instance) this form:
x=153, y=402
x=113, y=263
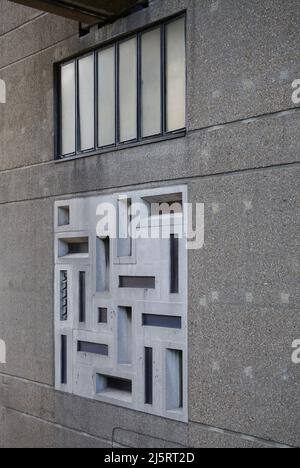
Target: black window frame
x=117, y=145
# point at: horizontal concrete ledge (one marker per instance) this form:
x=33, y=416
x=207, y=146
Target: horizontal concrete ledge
x=153, y=182
x=232, y=149
x=211, y=128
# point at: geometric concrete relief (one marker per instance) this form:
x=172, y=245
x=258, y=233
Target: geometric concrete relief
x=121, y=300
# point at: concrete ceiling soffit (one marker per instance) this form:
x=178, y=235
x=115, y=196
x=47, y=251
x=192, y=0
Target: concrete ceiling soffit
x=85, y=11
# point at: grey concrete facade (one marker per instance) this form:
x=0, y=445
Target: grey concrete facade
x=240, y=157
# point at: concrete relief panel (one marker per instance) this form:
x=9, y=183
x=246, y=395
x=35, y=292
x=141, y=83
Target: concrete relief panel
x=121, y=300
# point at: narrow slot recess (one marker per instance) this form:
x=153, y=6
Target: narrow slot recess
x=92, y=348
x=174, y=264
x=63, y=216
x=174, y=379
x=124, y=335
x=137, y=282
x=82, y=296
x=163, y=321
x=148, y=376
x=63, y=359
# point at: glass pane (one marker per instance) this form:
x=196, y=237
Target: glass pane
x=175, y=74
x=68, y=108
x=128, y=90
x=86, y=102
x=151, y=83
x=106, y=97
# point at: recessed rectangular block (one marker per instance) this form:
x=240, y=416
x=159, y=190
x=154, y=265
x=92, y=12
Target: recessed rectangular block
x=174, y=379
x=63, y=216
x=102, y=315
x=124, y=335
x=114, y=387
x=164, y=321
x=92, y=348
x=138, y=282
x=124, y=243
x=102, y=264
x=73, y=247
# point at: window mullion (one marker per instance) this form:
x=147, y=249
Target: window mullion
x=96, y=110
x=77, y=124
x=163, y=81
x=116, y=95
x=58, y=105
x=117, y=52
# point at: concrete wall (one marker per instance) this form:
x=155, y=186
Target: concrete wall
x=240, y=157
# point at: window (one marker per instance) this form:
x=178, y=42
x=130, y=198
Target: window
x=68, y=108
x=86, y=103
x=106, y=97
x=128, y=90
x=151, y=83
x=125, y=92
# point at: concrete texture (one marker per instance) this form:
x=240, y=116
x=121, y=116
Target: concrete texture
x=240, y=157
x=251, y=61
x=15, y=16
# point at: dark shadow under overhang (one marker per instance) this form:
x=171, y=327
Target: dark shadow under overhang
x=89, y=12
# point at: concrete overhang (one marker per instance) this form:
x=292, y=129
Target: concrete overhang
x=89, y=12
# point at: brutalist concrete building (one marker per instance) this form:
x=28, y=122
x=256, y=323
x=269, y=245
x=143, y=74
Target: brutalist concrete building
x=116, y=340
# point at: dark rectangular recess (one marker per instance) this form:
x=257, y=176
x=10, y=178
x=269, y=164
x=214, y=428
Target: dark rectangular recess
x=78, y=248
x=82, y=296
x=137, y=282
x=116, y=383
x=148, y=376
x=174, y=264
x=164, y=321
x=63, y=359
x=92, y=348
x=102, y=315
